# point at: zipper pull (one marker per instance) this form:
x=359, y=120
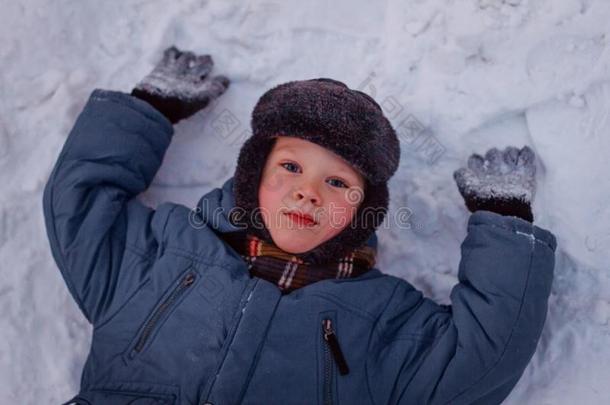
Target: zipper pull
x=188, y=280
x=333, y=342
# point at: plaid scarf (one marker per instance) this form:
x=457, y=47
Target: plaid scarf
x=289, y=272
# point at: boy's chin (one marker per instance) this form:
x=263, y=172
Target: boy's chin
x=291, y=242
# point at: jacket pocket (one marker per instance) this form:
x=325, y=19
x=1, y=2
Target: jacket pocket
x=332, y=362
x=170, y=300
x=123, y=393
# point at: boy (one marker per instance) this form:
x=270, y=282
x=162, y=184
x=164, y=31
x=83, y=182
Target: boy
x=267, y=293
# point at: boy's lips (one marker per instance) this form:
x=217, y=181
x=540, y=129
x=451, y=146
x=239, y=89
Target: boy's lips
x=300, y=218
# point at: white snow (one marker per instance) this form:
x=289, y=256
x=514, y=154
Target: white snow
x=454, y=77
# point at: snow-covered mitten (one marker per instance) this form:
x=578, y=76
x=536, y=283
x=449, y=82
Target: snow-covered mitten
x=179, y=85
x=503, y=182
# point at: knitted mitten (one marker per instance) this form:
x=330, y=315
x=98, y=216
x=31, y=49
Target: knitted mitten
x=179, y=86
x=503, y=182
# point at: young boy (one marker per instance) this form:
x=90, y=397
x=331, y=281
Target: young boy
x=267, y=293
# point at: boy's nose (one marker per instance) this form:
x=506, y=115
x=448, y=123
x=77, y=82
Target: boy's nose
x=306, y=192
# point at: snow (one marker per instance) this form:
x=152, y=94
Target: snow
x=453, y=77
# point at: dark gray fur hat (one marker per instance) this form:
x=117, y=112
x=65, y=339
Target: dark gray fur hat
x=345, y=121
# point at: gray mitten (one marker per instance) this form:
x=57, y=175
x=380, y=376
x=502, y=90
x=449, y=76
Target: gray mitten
x=503, y=182
x=179, y=85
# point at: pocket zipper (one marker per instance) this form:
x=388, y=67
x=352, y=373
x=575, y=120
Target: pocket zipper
x=185, y=283
x=333, y=344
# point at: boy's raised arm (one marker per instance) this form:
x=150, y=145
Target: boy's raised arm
x=100, y=235
x=475, y=350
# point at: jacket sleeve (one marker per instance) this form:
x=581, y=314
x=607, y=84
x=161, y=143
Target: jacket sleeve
x=100, y=234
x=475, y=350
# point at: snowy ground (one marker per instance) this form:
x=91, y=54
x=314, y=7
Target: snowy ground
x=473, y=74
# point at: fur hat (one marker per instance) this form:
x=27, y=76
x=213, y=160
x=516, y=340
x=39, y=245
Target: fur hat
x=345, y=121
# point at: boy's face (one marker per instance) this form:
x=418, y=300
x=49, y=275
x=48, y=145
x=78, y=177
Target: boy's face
x=306, y=179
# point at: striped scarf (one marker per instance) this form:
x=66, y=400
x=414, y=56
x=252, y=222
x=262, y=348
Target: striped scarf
x=289, y=272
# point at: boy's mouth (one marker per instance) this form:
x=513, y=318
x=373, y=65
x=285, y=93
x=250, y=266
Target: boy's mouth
x=300, y=219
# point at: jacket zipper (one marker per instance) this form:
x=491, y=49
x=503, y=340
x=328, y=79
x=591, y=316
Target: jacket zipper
x=185, y=283
x=333, y=344
x=333, y=347
x=327, y=388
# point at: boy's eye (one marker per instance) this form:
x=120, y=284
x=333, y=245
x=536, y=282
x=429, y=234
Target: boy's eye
x=291, y=167
x=339, y=183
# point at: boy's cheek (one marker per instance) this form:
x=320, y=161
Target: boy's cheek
x=338, y=220
x=269, y=197
x=272, y=181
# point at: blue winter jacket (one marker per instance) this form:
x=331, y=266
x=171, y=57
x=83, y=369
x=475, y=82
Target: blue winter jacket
x=177, y=319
